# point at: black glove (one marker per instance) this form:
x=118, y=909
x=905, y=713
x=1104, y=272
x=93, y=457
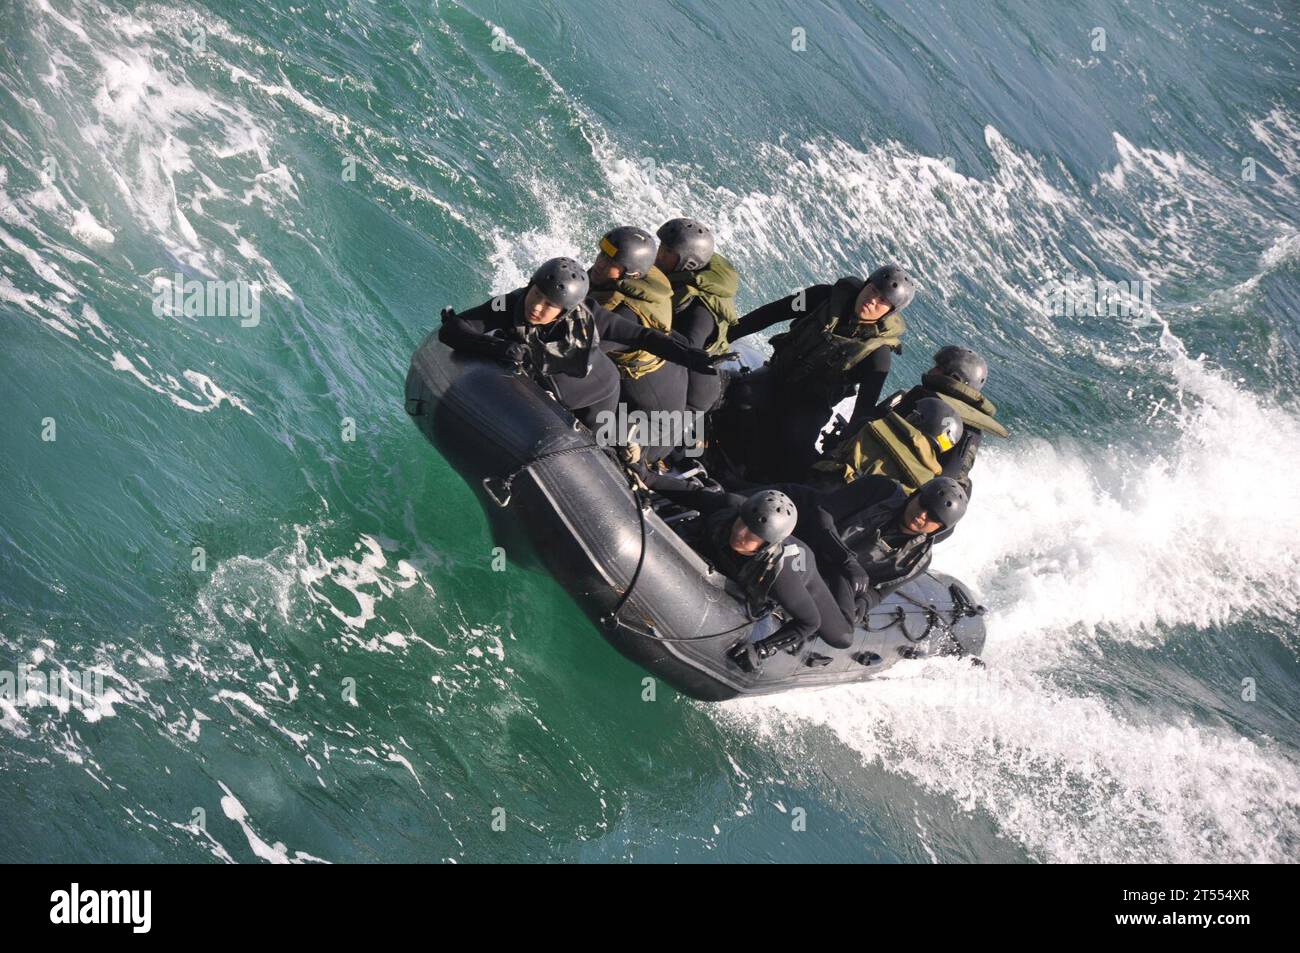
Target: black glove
x=864, y=602
x=517, y=355
x=835, y=436
x=448, y=312
x=700, y=361
x=858, y=579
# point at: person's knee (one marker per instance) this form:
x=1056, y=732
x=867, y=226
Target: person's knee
x=595, y=408
x=590, y=417
x=703, y=392
x=836, y=631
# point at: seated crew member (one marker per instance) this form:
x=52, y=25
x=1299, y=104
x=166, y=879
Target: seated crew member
x=704, y=287
x=624, y=280
x=749, y=541
x=958, y=378
x=889, y=533
x=841, y=342
x=907, y=449
x=550, y=330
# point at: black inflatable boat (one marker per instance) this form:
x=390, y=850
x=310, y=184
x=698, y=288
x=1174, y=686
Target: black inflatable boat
x=536, y=470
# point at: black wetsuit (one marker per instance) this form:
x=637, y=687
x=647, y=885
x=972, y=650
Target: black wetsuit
x=861, y=521
x=699, y=327
x=798, y=589
x=587, y=395
x=788, y=451
x=662, y=389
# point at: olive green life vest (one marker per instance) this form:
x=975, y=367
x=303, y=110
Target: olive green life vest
x=889, y=446
x=715, y=285
x=815, y=357
x=651, y=300
x=975, y=409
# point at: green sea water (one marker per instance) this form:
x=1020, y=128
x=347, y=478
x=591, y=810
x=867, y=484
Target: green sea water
x=289, y=597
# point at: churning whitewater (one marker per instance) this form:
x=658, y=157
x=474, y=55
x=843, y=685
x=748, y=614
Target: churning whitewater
x=305, y=649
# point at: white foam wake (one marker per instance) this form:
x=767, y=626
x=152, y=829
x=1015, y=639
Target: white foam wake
x=1080, y=551
x=1200, y=527
x=1068, y=777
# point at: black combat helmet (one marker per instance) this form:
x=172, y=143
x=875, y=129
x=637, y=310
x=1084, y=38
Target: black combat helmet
x=895, y=285
x=937, y=420
x=962, y=364
x=562, y=281
x=770, y=514
x=690, y=240
x=945, y=500
x=630, y=247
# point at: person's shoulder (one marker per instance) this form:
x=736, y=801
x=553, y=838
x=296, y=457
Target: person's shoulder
x=875, y=486
x=497, y=304
x=815, y=295
x=798, y=554
x=599, y=311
